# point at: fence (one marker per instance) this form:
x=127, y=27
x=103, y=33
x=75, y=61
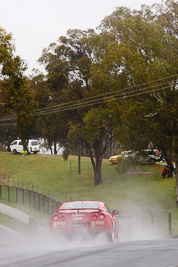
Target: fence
x=13, y=190
x=160, y=222
x=19, y=192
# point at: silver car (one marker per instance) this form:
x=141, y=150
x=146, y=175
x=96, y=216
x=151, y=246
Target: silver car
x=146, y=155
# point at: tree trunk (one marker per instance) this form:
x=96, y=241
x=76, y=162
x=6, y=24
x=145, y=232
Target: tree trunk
x=111, y=147
x=97, y=172
x=55, y=148
x=96, y=163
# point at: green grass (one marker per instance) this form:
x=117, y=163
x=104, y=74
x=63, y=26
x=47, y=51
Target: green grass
x=9, y=222
x=142, y=191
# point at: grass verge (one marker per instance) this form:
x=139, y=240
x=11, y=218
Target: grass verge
x=140, y=191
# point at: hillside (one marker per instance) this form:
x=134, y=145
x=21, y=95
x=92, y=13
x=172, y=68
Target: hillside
x=141, y=191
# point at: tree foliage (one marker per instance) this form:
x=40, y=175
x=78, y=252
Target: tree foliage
x=120, y=79
x=146, y=50
x=15, y=95
x=148, y=54
x=69, y=78
x=125, y=62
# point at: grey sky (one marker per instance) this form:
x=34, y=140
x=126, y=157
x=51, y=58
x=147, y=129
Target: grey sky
x=37, y=23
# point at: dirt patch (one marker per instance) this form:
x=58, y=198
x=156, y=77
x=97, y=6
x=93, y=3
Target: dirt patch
x=140, y=173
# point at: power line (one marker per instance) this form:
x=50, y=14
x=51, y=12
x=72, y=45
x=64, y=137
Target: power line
x=80, y=104
x=99, y=99
x=87, y=104
x=96, y=103
x=105, y=94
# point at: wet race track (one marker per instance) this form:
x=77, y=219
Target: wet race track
x=17, y=251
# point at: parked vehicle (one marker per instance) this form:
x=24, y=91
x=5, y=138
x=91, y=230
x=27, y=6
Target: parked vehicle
x=17, y=147
x=146, y=155
x=119, y=157
x=81, y=217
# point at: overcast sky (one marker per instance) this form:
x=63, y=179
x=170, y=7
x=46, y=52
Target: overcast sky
x=35, y=24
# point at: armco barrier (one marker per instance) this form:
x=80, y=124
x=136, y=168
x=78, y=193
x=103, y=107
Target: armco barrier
x=22, y=217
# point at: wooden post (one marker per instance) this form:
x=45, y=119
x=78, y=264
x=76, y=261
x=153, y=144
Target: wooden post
x=152, y=220
x=170, y=223
x=8, y=193
x=38, y=201
x=52, y=203
x=34, y=196
x=0, y=192
x=43, y=204
x=23, y=196
x=29, y=198
x=48, y=205
x=16, y=194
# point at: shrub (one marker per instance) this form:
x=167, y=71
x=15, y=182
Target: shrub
x=126, y=165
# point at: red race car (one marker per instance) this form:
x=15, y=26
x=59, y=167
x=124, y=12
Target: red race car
x=93, y=217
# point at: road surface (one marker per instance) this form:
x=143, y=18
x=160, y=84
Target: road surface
x=19, y=251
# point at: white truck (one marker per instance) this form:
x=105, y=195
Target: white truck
x=17, y=147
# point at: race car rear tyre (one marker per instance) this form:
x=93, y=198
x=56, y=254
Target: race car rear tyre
x=111, y=236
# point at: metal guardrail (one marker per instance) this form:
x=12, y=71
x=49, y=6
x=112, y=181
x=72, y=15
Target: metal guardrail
x=22, y=217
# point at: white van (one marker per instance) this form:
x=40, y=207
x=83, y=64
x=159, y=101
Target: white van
x=17, y=147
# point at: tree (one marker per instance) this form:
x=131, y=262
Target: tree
x=132, y=48
x=95, y=132
x=68, y=64
x=145, y=53
x=15, y=95
x=8, y=132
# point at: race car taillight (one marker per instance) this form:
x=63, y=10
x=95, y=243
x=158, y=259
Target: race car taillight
x=102, y=216
x=94, y=217
x=62, y=218
x=55, y=217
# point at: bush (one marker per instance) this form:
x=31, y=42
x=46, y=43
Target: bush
x=3, y=148
x=126, y=165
